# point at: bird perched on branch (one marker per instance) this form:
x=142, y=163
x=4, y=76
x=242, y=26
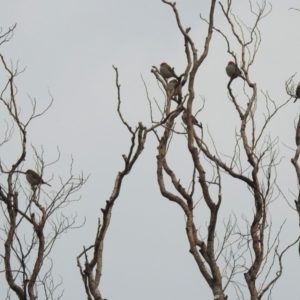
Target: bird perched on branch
x=166, y=71
x=173, y=88
x=184, y=119
x=297, y=92
x=34, y=178
x=233, y=71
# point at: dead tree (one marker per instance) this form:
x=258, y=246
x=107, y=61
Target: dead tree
x=203, y=252
x=252, y=163
x=33, y=217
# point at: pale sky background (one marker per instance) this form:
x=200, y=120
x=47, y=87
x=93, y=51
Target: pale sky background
x=69, y=47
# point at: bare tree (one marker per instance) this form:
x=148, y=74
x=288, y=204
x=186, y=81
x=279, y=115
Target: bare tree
x=253, y=162
x=33, y=219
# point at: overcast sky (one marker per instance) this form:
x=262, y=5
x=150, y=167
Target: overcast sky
x=68, y=48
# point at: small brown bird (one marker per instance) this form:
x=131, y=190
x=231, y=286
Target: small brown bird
x=297, y=92
x=34, y=178
x=184, y=119
x=166, y=71
x=233, y=71
x=172, y=89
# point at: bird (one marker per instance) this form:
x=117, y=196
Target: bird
x=34, y=178
x=166, y=71
x=173, y=88
x=297, y=92
x=233, y=71
x=184, y=119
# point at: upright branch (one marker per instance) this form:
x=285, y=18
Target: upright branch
x=91, y=272
x=194, y=64
x=293, y=91
x=203, y=251
x=261, y=191
x=295, y=162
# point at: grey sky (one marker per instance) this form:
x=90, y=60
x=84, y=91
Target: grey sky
x=70, y=47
